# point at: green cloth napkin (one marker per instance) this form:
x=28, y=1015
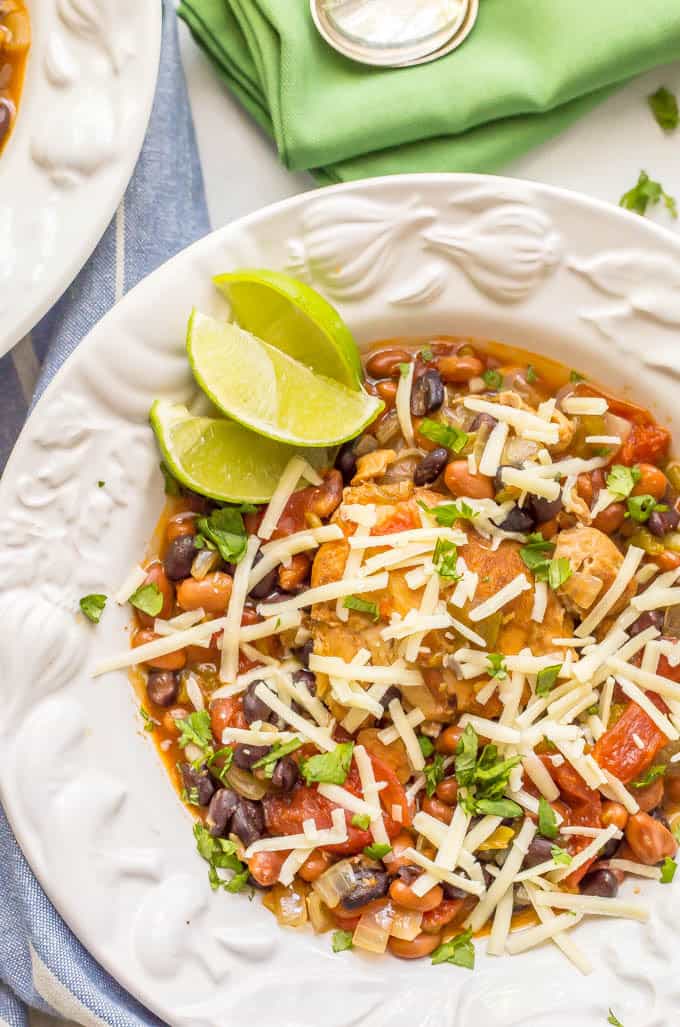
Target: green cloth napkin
x=528, y=70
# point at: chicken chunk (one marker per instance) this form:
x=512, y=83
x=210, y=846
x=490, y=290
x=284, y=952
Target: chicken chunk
x=509, y=631
x=594, y=561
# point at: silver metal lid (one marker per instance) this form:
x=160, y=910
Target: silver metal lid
x=394, y=33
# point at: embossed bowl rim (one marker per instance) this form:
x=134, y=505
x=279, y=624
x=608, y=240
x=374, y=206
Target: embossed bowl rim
x=78, y=214
x=529, y=264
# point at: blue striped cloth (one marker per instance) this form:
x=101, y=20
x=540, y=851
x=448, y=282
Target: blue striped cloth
x=41, y=962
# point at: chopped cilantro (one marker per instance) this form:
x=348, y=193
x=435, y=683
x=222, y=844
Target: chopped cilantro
x=195, y=730
x=466, y=756
x=493, y=379
x=329, y=767
x=220, y=854
x=497, y=668
x=426, y=746
x=575, y=377
x=93, y=606
x=434, y=773
x=170, y=483
x=377, y=850
x=149, y=722
x=268, y=762
x=446, y=435
x=676, y=831
x=640, y=507
x=668, y=868
x=426, y=354
x=547, y=821
x=224, y=531
x=546, y=678
x=531, y=374
x=645, y=192
x=362, y=821
x=535, y=554
x=341, y=941
x=658, y=770
x=445, y=559
x=559, y=571
x=190, y=797
x=621, y=480
x=560, y=856
x=498, y=808
x=459, y=951
x=664, y=106
x=403, y=369
x=101, y=484
x=362, y=606
x=148, y=598
x=447, y=514
x=614, y=1020
x=227, y=757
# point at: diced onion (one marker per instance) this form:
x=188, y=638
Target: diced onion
x=205, y=561
x=246, y=784
x=319, y=915
x=406, y=924
x=335, y=883
x=373, y=930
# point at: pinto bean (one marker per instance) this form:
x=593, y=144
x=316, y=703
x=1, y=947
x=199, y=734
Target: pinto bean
x=649, y=840
x=649, y=797
x=459, y=369
x=387, y=391
x=423, y=945
x=293, y=576
x=171, y=661
x=460, y=482
x=672, y=787
x=437, y=809
x=385, y=363
x=447, y=791
x=402, y=842
x=610, y=519
x=180, y=525
x=446, y=912
x=315, y=865
x=652, y=482
x=404, y=895
x=447, y=742
x=211, y=593
x=265, y=867
x=614, y=813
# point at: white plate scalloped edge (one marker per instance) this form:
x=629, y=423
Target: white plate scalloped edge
x=87, y=97
x=82, y=784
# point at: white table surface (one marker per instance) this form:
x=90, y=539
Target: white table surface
x=601, y=155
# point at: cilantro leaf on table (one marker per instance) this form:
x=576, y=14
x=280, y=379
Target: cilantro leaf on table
x=614, y=1020
x=668, y=868
x=341, y=941
x=220, y=854
x=645, y=192
x=93, y=606
x=664, y=106
x=329, y=767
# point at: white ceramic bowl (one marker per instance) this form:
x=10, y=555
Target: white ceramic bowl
x=86, y=101
x=87, y=796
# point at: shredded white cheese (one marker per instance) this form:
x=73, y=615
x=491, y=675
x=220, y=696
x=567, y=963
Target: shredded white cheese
x=232, y=624
x=325, y=593
x=624, y=576
x=403, y=404
x=504, y=596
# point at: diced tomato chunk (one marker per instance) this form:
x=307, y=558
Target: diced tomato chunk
x=616, y=752
x=403, y=518
x=227, y=713
x=647, y=443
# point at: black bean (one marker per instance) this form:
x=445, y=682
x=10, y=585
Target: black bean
x=179, y=557
x=408, y=874
x=306, y=678
x=519, y=519
x=451, y=892
x=253, y=707
x=543, y=509
x=659, y=814
x=346, y=462
x=431, y=466
x=609, y=850
x=369, y=884
x=198, y=784
x=540, y=851
x=248, y=821
x=662, y=521
x=220, y=811
x=246, y=755
x=483, y=421
x=162, y=687
x=285, y=774
x=391, y=693
x=428, y=393
x=268, y=583
x=498, y=477
x=305, y=652
x=602, y=883
x=648, y=619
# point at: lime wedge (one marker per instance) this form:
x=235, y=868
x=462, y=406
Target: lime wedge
x=269, y=392
x=222, y=459
x=292, y=316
